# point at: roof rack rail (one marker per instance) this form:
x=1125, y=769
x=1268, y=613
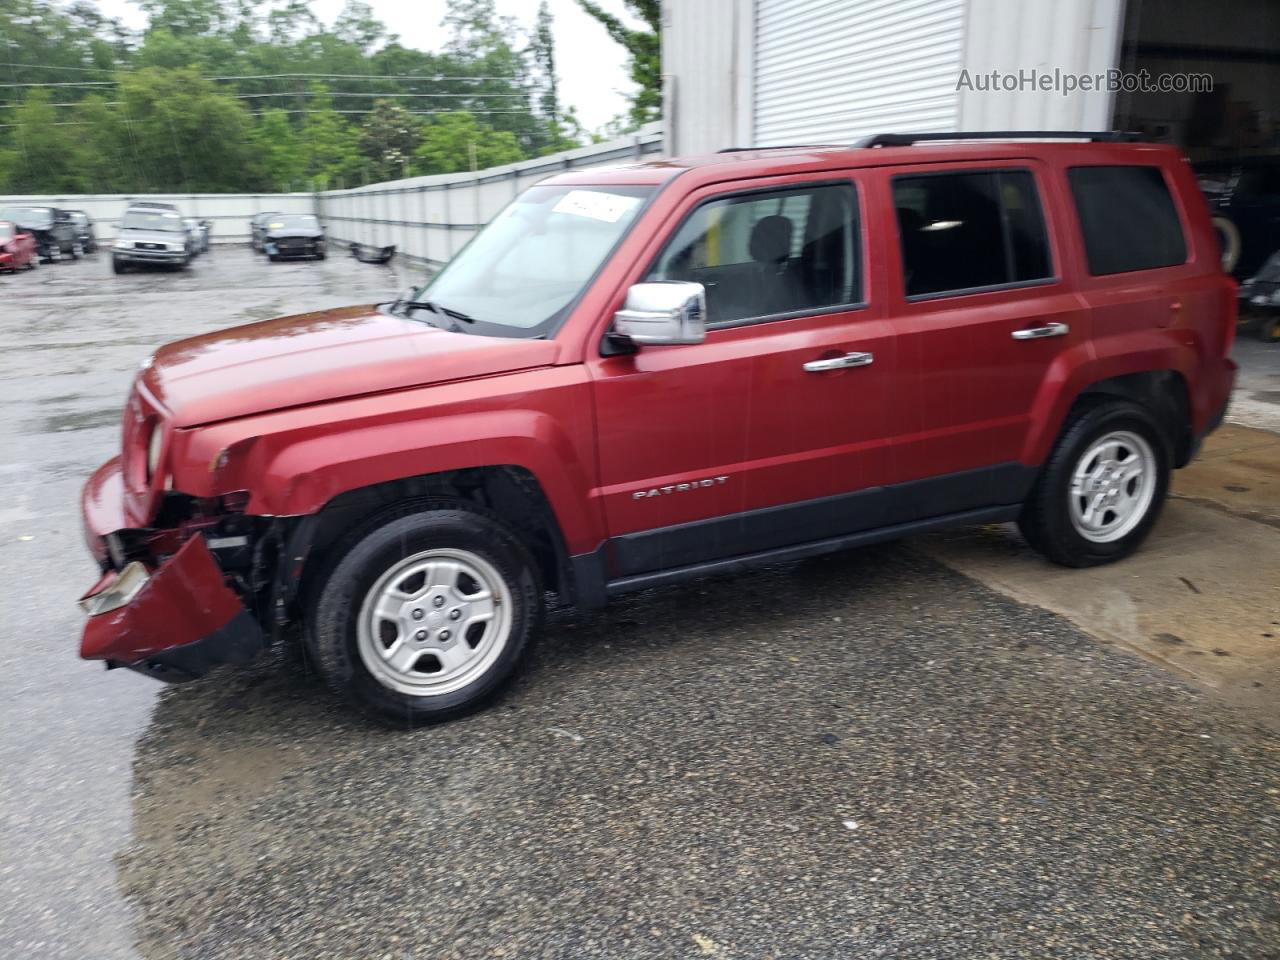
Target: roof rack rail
x=907, y=139
x=787, y=146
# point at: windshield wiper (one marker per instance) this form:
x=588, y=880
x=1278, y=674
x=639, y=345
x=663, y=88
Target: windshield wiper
x=411, y=305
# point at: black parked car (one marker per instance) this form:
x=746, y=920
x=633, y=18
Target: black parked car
x=54, y=232
x=1246, y=194
x=258, y=227
x=291, y=235
x=84, y=230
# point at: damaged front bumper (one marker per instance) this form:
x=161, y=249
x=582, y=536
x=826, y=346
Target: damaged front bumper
x=174, y=620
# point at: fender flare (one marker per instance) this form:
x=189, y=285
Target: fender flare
x=297, y=475
x=1070, y=377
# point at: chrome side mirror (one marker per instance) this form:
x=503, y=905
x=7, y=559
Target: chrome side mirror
x=663, y=312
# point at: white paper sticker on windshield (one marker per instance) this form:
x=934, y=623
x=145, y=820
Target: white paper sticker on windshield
x=608, y=207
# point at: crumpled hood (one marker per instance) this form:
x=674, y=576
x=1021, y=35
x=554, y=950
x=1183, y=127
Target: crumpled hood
x=175, y=237
x=314, y=357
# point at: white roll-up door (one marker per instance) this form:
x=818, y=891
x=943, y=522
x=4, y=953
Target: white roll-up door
x=830, y=71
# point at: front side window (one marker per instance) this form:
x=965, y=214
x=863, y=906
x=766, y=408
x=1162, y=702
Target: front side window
x=522, y=272
x=971, y=230
x=771, y=252
x=1127, y=218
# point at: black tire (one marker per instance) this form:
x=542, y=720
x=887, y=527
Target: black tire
x=272, y=257
x=338, y=593
x=1267, y=327
x=1046, y=519
x=76, y=251
x=117, y=266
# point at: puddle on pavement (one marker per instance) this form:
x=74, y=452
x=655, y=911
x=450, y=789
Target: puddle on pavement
x=92, y=420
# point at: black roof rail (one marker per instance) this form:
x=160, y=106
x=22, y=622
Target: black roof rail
x=907, y=139
x=787, y=146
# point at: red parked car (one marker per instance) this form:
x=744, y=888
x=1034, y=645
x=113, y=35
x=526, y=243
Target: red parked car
x=17, y=247
x=636, y=376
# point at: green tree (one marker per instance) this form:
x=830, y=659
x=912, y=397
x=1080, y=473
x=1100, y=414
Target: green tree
x=563, y=128
x=388, y=139
x=279, y=151
x=46, y=153
x=357, y=25
x=453, y=142
x=644, y=47
x=185, y=133
x=329, y=143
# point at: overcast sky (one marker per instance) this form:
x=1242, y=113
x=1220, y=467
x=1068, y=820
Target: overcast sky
x=592, y=68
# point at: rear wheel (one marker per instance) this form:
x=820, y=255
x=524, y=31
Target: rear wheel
x=425, y=615
x=1101, y=491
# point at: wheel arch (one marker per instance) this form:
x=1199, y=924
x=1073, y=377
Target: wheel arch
x=511, y=493
x=1154, y=376
x=1165, y=394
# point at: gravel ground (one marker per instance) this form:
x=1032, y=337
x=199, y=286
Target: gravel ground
x=860, y=756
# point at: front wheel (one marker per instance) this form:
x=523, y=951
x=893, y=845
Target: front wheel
x=425, y=615
x=1268, y=327
x=1101, y=491
x=117, y=266
x=77, y=251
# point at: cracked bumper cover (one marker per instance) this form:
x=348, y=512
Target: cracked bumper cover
x=183, y=622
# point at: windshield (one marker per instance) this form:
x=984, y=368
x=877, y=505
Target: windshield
x=536, y=256
x=295, y=221
x=151, y=219
x=40, y=218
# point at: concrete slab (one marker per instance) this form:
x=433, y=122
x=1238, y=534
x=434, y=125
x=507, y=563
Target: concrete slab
x=1203, y=594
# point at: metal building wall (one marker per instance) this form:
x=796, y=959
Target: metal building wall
x=1076, y=36
x=831, y=71
x=744, y=72
x=707, y=66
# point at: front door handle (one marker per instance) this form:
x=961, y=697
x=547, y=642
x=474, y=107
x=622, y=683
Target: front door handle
x=1039, y=333
x=839, y=363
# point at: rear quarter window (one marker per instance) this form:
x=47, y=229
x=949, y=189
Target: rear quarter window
x=1127, y=218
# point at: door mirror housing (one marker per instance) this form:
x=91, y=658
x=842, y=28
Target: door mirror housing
x=663, y=312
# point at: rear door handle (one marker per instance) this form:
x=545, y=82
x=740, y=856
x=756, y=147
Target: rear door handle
x=839, y=363
x=1039, y=333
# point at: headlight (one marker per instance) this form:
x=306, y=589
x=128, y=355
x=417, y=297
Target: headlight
x=153, y=451
x=122, y=244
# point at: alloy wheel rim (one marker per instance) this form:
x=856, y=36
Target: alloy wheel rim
x=434, y=622
x=1112, y=487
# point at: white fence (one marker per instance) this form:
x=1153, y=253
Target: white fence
x=427, y=218
x=430, y=218
x=228, y=212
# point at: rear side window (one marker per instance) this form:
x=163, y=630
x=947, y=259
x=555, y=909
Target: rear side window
x=1127, y=218
x=769, y=252
x=966, y=231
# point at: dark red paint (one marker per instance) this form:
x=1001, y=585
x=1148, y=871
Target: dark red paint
x=298, y=410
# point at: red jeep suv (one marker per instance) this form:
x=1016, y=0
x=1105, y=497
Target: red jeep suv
x=643, y=374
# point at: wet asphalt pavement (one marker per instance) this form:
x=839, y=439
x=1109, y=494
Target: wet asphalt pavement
x=862, y=756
